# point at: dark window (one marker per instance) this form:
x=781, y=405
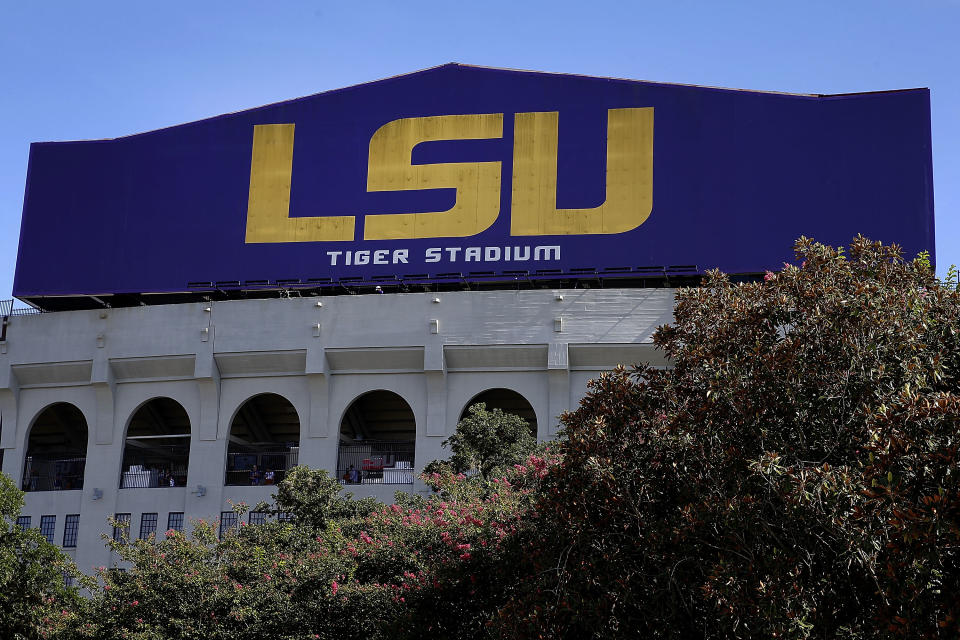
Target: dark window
x=48, y=524
x=284, y=516
x=121, y=532
x=228, y=520
x=258, y=517
x=175, y=521
x=148, y=525
x=69, y=580
x=71, y=526
x=23, y=522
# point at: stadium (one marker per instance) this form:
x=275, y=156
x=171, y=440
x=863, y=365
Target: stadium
x=334, y=280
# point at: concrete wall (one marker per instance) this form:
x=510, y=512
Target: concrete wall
x=436, y=350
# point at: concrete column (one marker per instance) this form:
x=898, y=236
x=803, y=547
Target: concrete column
x=558, y=378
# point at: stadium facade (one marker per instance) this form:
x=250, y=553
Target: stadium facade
x=334, y=280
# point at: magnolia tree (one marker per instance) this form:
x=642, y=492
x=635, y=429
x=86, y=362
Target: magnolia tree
x=794, y=474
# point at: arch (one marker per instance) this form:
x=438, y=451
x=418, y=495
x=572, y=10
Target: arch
x=508, y=401
x=264, y=441
x=156, y=447
x=56, y=453
x=378, y=436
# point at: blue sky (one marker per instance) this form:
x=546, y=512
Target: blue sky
x=71, y=71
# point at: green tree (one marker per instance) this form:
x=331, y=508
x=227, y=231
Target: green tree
x=314, y=499
x=795, y=474
x=488, y=441
x=34, y=601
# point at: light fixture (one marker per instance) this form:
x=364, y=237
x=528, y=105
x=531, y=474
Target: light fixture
x=200, y=491
x=97, y=493
x=436, y=300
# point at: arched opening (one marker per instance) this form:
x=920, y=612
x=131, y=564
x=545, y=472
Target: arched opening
x=264, y=441
x=378, y=435
x=507, y=401
x=156, y=451
x=56, y=450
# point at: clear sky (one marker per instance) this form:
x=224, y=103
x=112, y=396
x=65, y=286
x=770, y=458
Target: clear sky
x=72, y=71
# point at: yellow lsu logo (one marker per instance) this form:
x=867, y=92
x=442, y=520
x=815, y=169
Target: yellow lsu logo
x=534, y=212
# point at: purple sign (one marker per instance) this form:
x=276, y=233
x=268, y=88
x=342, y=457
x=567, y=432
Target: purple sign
x=476, y=173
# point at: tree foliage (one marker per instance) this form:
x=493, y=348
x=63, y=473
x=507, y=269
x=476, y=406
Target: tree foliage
x=34, y=601
x=795, y=473
x=489, y=441
x=313, y=499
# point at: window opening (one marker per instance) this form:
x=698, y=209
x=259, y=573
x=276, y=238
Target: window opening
x=378, y=436
x=156, y=451
x=71, y=528
x=121, y=531
x=48, y=526
x=56, y=450
x=148, y=525
x=175, y=521
x=264, y=441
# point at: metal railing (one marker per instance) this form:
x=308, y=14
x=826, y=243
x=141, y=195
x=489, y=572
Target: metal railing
x=7, y=309
x=43, y=473
x=158, y=466
x=257, y=466
x=376, y=462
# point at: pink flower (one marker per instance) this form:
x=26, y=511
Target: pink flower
x=134, y=603
x=334, y=587
x=769, y=275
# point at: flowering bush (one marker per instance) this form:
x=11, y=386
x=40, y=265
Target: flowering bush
x=260, y=581
x=425, y=567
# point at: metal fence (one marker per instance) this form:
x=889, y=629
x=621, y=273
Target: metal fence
x=260, y=466
x=157, y=466
x=41, y=473
x=7, y=309
x=376, y=462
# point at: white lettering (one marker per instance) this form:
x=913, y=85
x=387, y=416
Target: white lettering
x=472, y=254
x=548, y=253
x=362, y=257
x=491, y=254
x=333, y=256
x=433, y=254
x=400, y=255
x=506, y=253
x=453, y=251
x=525, y=256
x=380, y=256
